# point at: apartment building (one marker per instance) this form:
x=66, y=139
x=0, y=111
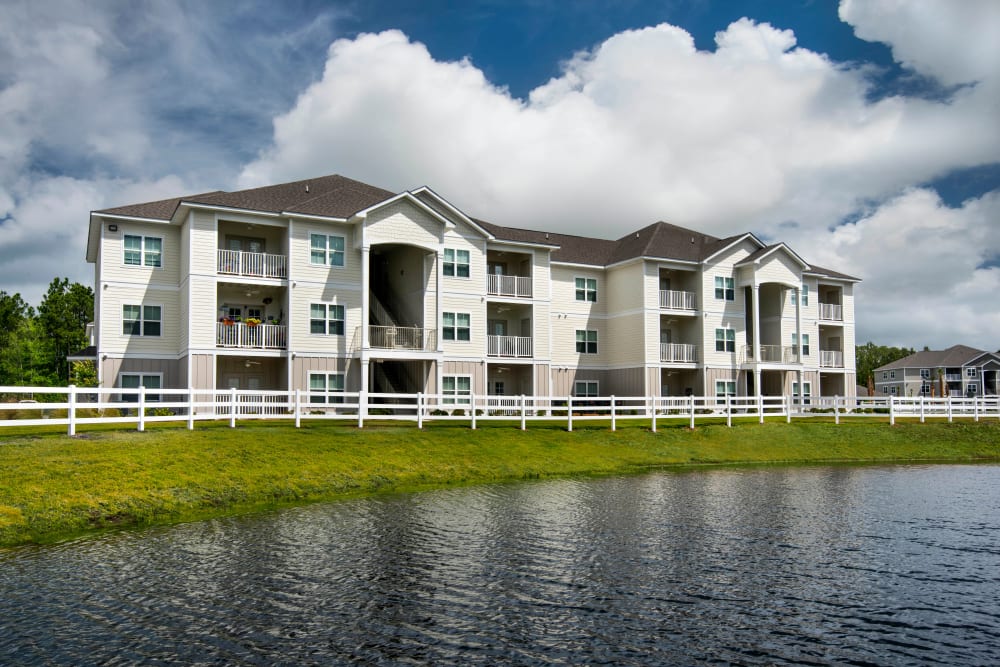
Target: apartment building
x=957, y=371
x=333, y=285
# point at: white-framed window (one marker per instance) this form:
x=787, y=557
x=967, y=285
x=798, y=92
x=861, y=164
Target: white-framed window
x=805, y=295
x=973, y=388
x=725, y=288
x=586, y=388
x=456, y=263
x=805, y=343
x=142, y=251
x=141, y=320
x=892, y=390
x=586, y=289
x=725, y=340
x=725, y=388
x=326, y=319
x=925, y=388
x=892, y=375
x=136, y=380
x=806, y=391
x=456, y=326
x=456, y=389
x=925, y=373
x=586, y=341
x=326, y=387
x=885, y=375
x=971, y=372
x=885, y=390
x=326, y=249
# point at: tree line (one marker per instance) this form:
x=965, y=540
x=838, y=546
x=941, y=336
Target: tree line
x=34, y=342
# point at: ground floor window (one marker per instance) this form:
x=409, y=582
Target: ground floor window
x=326, y=388
x=585, y=388
x=725, y=388
x=457, y=389
x=806, y=391
x=136, y=380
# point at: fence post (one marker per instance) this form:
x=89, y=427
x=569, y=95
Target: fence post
x=729, y=411
x=524, y=424
x=362, y=407
x=921, y=408
x=613, y=424
x=190, y=420
x=569, y=413
x=420, y=409
x=652, y=403
x=298, y=408
x=788, y=408
x=142, y=408
x=232, y=407
x=760, y=407
x=692, y=411
x=71, y=412
x=472, y=409
x=892, y=411
x=975, y=408
x=836, y=409
x=949, y=408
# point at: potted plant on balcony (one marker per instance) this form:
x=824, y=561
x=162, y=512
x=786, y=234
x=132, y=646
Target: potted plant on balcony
x=227, y=321
x=252, y=321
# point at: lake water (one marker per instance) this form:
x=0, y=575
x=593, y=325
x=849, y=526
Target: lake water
x=824, y=565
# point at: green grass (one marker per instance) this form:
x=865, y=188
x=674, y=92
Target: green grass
x=53, y=486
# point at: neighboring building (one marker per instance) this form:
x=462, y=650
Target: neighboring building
x=330, y=284
x=961, y=370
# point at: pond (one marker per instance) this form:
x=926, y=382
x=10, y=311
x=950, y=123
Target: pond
x=816, y=565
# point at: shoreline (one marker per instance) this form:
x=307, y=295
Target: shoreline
x=55, y=487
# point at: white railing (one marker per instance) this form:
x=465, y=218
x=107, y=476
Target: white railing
x=831, y=359
x=677, y=300
x=251, y=336
x=678, y=352
x=401, y=338
x=75, y=406
x=252, y=264
x=773, y=354
x=508, y=346
x=831, y=311
x=953, y=377
x=508, y=285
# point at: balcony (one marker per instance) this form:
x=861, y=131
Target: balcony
x=831, y=312
x=401, y=338
x=678, y=353
x=773, y=354
x=252, y=264
x=831, y=359
x=508, y=346
x=516, y=286
x=675, y=300
x=251, y=337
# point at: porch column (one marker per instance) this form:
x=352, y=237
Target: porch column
x=439, y=271
x=756, y=339
x=365, y=307
x=798, y=338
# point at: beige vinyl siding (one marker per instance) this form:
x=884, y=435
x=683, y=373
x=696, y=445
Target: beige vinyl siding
x=202, y=371
x=464, y=238
x=563, y=380
x=540, y=325
x=203, y=312
x=474, y=369
x=300, y=338
x=113, y=268
x=302, y=366
x=115, y=342
x=541, y=272
x=430, y=296
x=848, y=303
x=849, y=342
x=204, y=244
x=626, y=382
x=625, y=338
x=779, y=267
x=541, y=380
x=625, y=288
x=564, y=290
x=402, y=222
x=113, y=367
x=710, y=356
x=564, y=341
x=184, y=291
x=476, y=308
x=712, y=375
x=300, y=254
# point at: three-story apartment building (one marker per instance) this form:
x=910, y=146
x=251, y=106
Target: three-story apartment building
x=333, y=285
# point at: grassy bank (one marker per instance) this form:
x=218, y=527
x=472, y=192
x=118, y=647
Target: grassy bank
x=53, y=486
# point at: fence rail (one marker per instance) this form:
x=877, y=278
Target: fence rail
x=74, y=406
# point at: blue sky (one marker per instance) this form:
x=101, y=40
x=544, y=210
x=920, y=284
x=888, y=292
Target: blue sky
x=865, y=135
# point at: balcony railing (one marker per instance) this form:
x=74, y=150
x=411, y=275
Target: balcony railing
x=252, y=264
x=678, y=352
x=401, y=338
x=252, y=337
x=831, y=359
x=519, y=286
x=952, y=377
x=677, y=300
x=508, y=346
x=831, y=311
x=773, y=354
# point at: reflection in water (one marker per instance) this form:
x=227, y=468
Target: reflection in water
x=896, y=565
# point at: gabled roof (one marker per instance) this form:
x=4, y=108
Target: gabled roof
x=661, y=239
x=955, y=356
x=154, y=210
x=814, y=270
x=758, y=255
x=572, y=249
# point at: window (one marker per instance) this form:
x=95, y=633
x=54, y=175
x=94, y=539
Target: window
x=892, y=375
x=973, y=389
x=143, y=251
x=725, y=288
x=925, y=373
x=725, y=340
x=325, y=249
x=805, y=295
x=585, y=388
x=326, y=319
x=586, y=289
x=806, y=391
x=805, y=343
x=138, y=320
x=970, y=372
x=456, y=326
x=725, y=388
x=586, y=341
x=885, y=375
x=456, y=389
x=925, y=388
x=456, y=263
x=325, y=387
x=892, y=390
x=136, y=380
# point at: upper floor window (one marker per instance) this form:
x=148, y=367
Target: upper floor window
x=725, y=340
x=805, y=343
x=925, y=373
x=970, y=372
x=885, y=375
x=586, y=289
x=143, y=251
x=326, y=387
x=324, y=249
x=725, y=288
x=805, y=295
x=892, y=375
x=139, y=320
x=326, y=319
x=456, y=326
x=456, y=263
x=586, y=341
x=586, y=388
x=456, y=389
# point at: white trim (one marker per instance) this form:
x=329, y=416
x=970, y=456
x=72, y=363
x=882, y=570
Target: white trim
x=577, y=265
x=317, y=218
x=778, y=246
x=129, y=218
x=224, y=209
x=461, y=216
x=142, y=320
x=736, y=242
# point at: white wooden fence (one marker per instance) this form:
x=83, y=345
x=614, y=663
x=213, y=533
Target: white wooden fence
x=75, y=406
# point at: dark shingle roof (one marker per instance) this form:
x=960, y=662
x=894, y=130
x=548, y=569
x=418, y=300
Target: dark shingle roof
x=819, y=270
x=953, y=357
x=329, y=196
x=154, y=210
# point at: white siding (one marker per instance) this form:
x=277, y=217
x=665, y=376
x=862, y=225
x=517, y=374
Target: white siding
x=403, y=222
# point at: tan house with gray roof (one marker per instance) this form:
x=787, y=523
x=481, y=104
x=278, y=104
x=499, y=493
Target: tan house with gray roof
x=334, y=285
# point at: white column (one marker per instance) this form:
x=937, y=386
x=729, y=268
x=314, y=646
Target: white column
x=438, y=269
x=365, y=307
x=756, y=339
x=798, y=339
